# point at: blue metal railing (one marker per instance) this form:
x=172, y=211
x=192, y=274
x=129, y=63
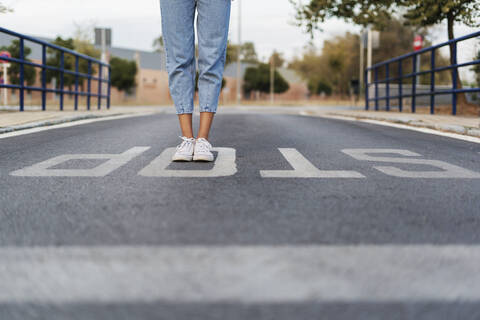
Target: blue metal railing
x=453, y=67
x=44, y=67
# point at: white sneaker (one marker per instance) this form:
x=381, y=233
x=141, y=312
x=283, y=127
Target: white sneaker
x=202, y=150
x=184, y=151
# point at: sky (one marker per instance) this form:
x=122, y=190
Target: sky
x=268, y=23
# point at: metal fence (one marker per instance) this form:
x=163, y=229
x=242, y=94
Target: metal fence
x=400, y=93
x=60, y=89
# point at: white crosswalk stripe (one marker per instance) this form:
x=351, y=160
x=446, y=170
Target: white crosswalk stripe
x=251, y=274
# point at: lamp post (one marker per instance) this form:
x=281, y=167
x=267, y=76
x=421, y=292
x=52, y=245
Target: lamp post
x=272, y=78
x=239, y=51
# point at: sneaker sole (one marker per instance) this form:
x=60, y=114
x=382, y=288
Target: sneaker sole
x=203, y=158
x=182, y=159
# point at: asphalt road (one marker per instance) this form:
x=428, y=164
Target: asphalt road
x=298, y=218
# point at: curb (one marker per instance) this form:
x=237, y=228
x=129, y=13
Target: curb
x=458, y=129
x=54, y=122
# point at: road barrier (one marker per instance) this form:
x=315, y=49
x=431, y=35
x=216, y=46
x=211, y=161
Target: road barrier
x=60, y=88
x=398, y=81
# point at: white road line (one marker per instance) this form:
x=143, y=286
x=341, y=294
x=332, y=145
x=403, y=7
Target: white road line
x=254, y=274
x=449, y=171
x=115, y=161
x=70, y=124
x=224, y=166
x=399, y=126
x=302, y=168
x=424, y=130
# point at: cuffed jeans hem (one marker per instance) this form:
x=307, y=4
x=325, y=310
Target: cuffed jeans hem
x=184, y=110
x=208, y=109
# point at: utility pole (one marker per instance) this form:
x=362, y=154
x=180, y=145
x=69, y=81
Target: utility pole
x=239, y=51
x=369, y=53
x=362, y=60
x=272, y=79
x=103, y=38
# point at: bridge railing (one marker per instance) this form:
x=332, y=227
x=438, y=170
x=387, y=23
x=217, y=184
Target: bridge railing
x=60, y=89
x=404, y=75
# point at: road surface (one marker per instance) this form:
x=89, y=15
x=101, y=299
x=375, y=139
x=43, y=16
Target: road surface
x=298, y=218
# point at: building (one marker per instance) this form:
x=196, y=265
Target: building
x=152, y=78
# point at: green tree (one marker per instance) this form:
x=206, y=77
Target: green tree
x=80, y=44
x=29, y=72
x=54, y=57
x=319, y=87
x=335, y=65
x=123, y=74
x=87, y=48
x=258, y=79
x=380, y=12
x=247, y=53
x=396, y=40
x=232, y=53
x=430, y=12
x=83, y=43
x=278, y=60
x=476, y=69
x=158, y=44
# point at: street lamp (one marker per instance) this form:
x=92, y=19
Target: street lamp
x=239, y=50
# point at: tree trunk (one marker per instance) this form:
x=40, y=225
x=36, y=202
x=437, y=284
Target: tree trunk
x=461, y=99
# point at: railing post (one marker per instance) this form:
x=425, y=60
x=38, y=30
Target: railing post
x=44, y=78
x=367, y=99
x=432, y=82
x=62, y=68
x=100, y=67
x=387, y=76
x=400, y=85
x=454, y=78
x=109, y=86
x=376, y=88
x=76, y=83
x=414, y=83
x=22, y=75
x=89, y=83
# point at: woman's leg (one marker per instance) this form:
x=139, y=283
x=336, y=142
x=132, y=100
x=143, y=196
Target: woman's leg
x=186, y=124
x=206, y=119
x=179, y=39
x=212, y=28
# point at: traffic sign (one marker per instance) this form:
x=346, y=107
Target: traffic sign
x=4, y=54
x=418, y=43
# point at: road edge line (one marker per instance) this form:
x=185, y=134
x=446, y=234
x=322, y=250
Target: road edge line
x=398, y=126
x=70, y=122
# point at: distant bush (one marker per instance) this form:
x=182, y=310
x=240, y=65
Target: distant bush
x=123, y=74
x=258, y=79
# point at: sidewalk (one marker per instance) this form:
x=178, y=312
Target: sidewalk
x=13, y=121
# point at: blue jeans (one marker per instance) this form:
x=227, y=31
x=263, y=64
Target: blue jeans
x=179, y=40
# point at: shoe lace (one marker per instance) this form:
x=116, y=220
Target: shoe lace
x=203, y=145
x=186, y=143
